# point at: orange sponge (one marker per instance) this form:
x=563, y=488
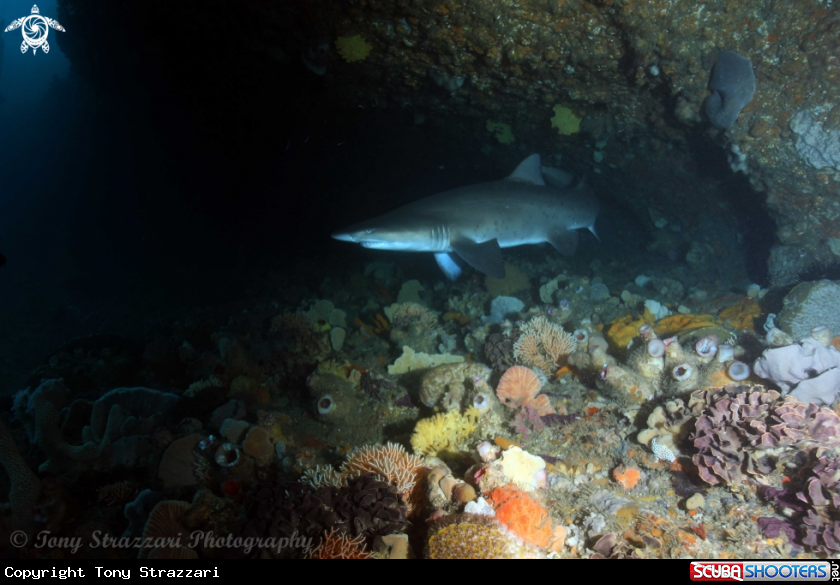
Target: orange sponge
x=627, y=477
x=523, y=515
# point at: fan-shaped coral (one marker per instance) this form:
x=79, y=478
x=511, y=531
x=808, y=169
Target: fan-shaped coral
x=520, y=387
x=388, y=462
x=542, y=344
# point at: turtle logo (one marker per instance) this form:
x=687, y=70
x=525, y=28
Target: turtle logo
x=35, y=29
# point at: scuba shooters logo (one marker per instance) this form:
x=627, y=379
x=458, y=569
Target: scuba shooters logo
x=764, y=571
x=35, y=29
x=721, y=571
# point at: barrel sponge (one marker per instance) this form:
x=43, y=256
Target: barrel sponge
x=25, y=486
x=234, y=430
x=733, y=87
x=808, y=305
x=471, y=536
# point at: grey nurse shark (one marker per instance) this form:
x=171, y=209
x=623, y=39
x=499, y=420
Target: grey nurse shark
x=475, y=222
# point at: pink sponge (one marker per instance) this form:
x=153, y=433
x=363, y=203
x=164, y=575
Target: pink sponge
x=810, y=371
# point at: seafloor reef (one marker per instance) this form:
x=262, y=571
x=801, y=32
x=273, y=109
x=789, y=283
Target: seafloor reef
x=569, y=417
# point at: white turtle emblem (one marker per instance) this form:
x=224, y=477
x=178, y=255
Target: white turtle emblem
x=35, y=29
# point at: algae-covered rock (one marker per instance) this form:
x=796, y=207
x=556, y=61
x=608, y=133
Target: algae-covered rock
x=811, y=304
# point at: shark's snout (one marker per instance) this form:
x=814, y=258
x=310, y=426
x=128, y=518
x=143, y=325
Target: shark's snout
x=343, y=236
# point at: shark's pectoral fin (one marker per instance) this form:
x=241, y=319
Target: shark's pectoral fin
x=486, y=257
x=449, y=266
x=565, y=242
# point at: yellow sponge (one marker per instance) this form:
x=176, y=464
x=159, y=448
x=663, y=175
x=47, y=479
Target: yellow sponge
x=353, y=48
x=444, y=433
x=565, y=121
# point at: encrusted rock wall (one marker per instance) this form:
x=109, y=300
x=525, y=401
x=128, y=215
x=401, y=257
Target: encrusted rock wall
x=635, y=72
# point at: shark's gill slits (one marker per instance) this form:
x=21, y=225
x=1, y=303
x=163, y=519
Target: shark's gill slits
x=440, y=237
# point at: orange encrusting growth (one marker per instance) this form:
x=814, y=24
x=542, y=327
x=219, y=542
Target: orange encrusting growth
x=628, y=477
x=741, y=314
x=523, y=515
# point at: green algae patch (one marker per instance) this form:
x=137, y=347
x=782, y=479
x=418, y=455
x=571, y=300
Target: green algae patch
x=501, y=131
x=565, y=121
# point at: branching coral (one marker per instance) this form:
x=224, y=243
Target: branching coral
x=323, y=476
x=337, y=545
x=542, y=344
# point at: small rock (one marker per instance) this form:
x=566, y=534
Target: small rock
x=694, y=502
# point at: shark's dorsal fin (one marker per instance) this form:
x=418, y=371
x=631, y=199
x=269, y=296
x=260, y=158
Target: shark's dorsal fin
x=528, y=171
x=485, y=257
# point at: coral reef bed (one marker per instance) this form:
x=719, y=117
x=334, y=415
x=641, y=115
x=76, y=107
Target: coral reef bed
x=598, y=422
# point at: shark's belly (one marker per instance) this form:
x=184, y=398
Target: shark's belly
x=512, y=241
x=509, y=238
